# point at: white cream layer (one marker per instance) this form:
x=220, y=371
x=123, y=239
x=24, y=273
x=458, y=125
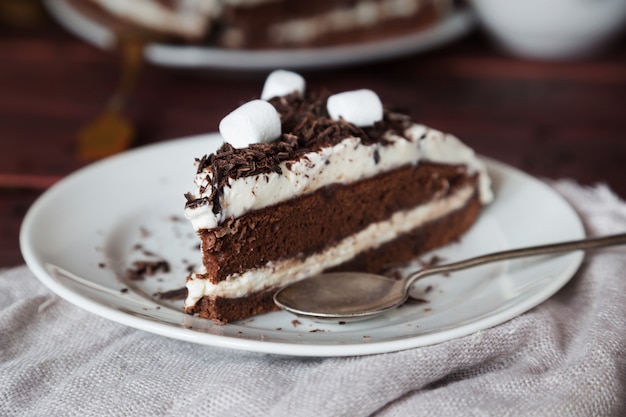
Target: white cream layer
x=347, y=162
x=281, y=273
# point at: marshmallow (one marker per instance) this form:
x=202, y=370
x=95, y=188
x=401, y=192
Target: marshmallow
x=253, y=122
x=359, y=107
x=281, y=83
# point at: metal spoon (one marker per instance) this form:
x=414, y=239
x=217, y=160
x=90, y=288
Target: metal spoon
x=353, y=296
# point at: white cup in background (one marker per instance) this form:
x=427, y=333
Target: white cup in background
x=552, y=29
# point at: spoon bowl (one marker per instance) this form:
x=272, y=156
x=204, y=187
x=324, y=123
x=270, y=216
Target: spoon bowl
x=342, y=296
x=352, y=296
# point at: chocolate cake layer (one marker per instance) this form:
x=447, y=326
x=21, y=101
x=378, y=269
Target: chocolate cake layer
x=309, y=223
x=418, y=241
x=392, y=254
x=224, y=310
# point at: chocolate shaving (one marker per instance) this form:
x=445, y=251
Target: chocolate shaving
x=306, y=127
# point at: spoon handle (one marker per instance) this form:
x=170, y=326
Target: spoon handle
x=592, y=243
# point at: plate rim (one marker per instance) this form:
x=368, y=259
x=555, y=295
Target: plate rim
x=460, y=22
x=39, y=268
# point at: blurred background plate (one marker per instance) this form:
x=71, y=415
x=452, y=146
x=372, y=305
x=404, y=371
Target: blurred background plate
x=456, y=25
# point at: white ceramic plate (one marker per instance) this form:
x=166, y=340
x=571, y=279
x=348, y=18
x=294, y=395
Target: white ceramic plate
x=81, y=236
x=458, y=24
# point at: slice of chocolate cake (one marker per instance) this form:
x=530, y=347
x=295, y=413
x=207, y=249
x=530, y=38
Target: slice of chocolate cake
x=307, y=181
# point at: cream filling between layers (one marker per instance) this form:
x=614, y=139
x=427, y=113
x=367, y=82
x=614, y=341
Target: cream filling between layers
x=275, y=274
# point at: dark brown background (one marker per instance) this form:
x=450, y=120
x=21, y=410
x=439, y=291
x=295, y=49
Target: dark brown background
x=552, y=120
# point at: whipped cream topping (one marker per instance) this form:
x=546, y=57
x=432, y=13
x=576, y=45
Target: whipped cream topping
x=281, y=273
x=347, y=162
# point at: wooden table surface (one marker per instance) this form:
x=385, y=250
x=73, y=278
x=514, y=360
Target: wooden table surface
x=551, y=119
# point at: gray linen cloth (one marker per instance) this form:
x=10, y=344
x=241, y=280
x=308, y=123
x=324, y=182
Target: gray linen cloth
x=565, y=357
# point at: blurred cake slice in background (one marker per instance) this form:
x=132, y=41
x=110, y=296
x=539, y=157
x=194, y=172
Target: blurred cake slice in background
x=269, y=24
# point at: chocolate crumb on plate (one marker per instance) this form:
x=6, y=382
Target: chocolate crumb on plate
x=433, y=261
x=177, y=294
x=143, y=269
x=416, y=301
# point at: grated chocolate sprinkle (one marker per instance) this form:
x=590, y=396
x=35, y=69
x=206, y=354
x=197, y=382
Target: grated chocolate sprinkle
x=306, y=127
